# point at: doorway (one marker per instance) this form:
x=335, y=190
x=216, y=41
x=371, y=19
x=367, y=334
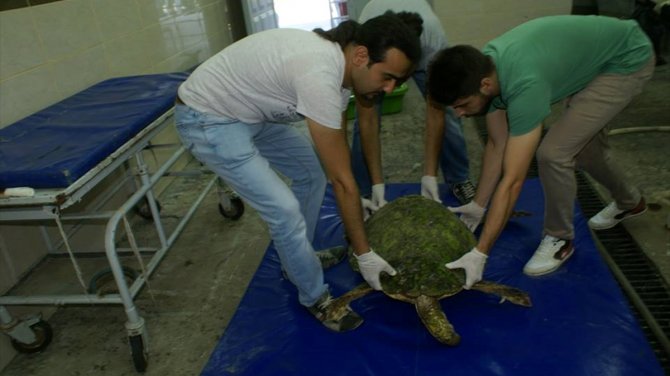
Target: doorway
x=303, y=14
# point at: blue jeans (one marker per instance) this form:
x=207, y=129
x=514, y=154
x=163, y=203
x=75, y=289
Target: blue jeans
x=453, y=155
x=246, y=156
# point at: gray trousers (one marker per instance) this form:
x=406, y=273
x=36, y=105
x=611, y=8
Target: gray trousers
x=578, y=139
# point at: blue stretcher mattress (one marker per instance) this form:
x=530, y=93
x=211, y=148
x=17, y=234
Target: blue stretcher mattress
x=580, y=322
x=55, y=146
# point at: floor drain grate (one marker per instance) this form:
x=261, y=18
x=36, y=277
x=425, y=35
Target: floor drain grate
x=647, y=291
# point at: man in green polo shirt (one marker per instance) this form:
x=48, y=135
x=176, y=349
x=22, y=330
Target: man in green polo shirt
x=597, y=65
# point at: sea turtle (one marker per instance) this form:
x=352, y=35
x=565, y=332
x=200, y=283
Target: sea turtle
x=417, y=236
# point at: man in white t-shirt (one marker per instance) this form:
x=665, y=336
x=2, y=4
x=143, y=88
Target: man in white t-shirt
x=440, y=123
x=232, y=114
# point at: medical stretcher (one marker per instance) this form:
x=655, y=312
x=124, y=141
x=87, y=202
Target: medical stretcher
x=73, y=147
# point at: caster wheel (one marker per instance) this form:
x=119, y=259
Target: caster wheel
x=236, y=209
x=43, y=336
x=140, y=357
x=103, y=283
x=143, y=210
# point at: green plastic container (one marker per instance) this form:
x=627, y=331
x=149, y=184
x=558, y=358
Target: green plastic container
x=391, y=104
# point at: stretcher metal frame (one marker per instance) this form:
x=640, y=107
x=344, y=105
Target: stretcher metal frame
x=52, y=204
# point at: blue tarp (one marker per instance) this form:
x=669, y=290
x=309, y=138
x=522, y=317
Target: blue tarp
x=580, y=322
x=55, y=146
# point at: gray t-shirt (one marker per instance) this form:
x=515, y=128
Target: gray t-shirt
x=278, y=75
x=433, y=38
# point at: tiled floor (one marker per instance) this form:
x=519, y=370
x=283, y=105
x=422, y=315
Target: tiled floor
x=198, y=286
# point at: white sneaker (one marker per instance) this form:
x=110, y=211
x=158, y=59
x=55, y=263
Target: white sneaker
x=612, y=215
x=551, y=254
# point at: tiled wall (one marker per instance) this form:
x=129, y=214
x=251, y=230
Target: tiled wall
x=50, y=51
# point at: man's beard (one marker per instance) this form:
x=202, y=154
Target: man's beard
x=373, y=96
x=369, y=98
x=486, y=100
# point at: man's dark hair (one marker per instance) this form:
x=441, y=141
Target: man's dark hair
x=457, y=72
x=342, y=34
x=412, y=20
x=378, y=35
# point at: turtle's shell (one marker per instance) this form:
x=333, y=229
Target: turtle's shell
x=417, y=236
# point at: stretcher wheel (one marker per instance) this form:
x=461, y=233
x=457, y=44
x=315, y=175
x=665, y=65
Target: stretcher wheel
x=236, y=209
x=43, y=336
x=103, y=283
x=140, y=356
x=143, y=210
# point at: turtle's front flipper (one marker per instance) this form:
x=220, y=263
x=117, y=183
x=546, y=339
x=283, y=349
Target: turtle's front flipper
x=340, y=303
x=435, y=320
x=512, y=294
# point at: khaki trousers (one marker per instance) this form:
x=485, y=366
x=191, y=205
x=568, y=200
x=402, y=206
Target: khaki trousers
x=579, y=140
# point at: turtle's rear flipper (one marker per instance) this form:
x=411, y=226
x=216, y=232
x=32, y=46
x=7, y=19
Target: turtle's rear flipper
x=512, y=294
x=435, y=320
x=340, y=305
x=354, y=293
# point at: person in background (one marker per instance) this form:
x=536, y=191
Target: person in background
x=232, y=113
x=440, y=123
x=649, y=14
x=597, y=65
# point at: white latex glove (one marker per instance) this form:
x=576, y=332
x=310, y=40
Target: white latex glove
x=371, y=264
x=473, y=262
x=471, y=214
x=378, y=195
x=429, y=188
x=368, y=208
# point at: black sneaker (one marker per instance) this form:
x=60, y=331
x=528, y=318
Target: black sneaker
x=331, y=256
x=464, y=192
x=334, y=315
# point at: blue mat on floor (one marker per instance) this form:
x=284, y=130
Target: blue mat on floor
x=580, y=322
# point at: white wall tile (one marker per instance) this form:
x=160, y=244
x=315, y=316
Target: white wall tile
x=26, y=93
x=77, y=72
x=219, y=41
x=172, y=64
x=20, y=42
x=66, y=27
x=117, y=18
x=126, y=56
x=154, y=47
x=213, y=21
x=153, y=11
x=171, y=38
x=187, y=6
x=190, y=28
